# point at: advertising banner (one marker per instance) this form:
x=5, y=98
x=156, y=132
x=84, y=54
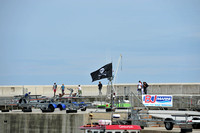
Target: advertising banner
x=158, y=100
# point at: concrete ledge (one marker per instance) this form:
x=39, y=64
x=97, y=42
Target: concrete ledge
x=92, y=90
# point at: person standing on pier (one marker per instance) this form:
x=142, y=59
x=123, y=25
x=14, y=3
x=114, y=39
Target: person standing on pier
x=63, y=89
x=79, y=90
x=145, y=85
x=100, y=87
x=54, y=89
x=139, y=88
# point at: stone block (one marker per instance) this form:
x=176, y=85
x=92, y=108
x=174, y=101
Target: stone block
x=173, y=89
x=190, y=89
x=154, y=89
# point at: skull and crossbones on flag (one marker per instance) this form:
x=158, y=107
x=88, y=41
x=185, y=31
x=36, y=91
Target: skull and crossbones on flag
x=103, y=72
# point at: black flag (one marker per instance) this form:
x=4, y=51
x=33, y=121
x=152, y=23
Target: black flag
x=103, y=72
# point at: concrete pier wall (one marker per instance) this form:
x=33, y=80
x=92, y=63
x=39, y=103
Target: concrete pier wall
x=47, y=122
x=14, y=122
x=92, y=90
x=41, y=123
x=162, y=88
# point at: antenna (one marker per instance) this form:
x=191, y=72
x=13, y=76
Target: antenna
x=119, y=60
x=114, y=77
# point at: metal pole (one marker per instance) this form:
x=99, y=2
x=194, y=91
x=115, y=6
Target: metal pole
x=5, y=104
x=111, y=104
x=111, y=95
x=101, y=99
x=132, y=106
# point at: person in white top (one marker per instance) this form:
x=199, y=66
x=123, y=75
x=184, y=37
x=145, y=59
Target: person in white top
x=79, y=90
x=139, y=88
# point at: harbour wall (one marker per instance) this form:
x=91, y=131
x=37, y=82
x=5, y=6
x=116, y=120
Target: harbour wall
x=47, y=122
x=92, y=90
x=41, y=123
x=16, y=122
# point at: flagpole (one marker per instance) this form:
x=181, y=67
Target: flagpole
x=112, y=99
x=111, y=93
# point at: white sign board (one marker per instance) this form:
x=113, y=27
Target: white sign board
x=158, y=100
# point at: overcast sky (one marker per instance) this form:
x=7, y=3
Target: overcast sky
x=62, y=41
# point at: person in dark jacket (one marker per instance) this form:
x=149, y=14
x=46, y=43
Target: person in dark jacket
x=100, y=87
x=145, y=86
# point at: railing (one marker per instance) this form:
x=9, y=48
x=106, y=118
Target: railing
x=136, y=114
x=139, y=101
